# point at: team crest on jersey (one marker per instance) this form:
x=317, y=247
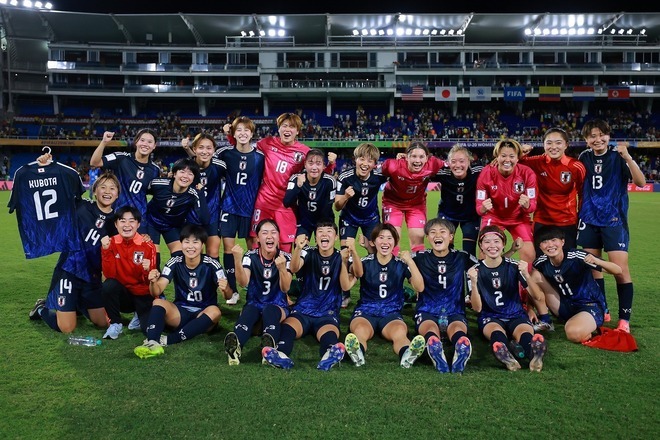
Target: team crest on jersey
x=325, y=270
x=598, y=168
x=170, y=203
x=268, y=272
x=365, y=191
x=204, y=180
x=298, y=157
x=442, y=268
x=242, y=165
x=139, y=174
x=61, y=300
x=460, y=189
x=518, y=187
x=312, y=195
x=382, y=277
x=497, y=283
x=99, y=223
x=138, y=256
x=559, y=278
x=193, y=282
x=565, y=177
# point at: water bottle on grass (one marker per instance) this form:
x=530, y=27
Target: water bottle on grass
x=87, y=341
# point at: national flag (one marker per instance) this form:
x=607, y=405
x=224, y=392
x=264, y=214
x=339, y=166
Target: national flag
x=550, y=93
x=480, y=94
x=584, y=93
x=446, y=94
x=616, y=93
x=414, y=93
x=514, y=93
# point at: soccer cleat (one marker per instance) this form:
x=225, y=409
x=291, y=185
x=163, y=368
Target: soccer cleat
x=148, y=349
x=113, y=331
x=162, y=341
x=35, y=313
x=503, y=355
x=234, y=299
x=345, y=301
x=516, y=349
x=135, y=322
x=233, y=349
x=276, y=358
x=539, y=347
x=352, y=346
x=462, y=353
x=414, y=350
x=437, y=354
x=332, y=357
x=541, y=326
x=624, y=325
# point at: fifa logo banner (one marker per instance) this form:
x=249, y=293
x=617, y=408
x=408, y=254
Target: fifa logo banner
x=514, y=94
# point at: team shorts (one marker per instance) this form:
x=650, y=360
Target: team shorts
x=567, y=311
x=470, y=229
x=212, y=227
x=420, y=317
x=312, y=324
x=169, y=235
x=509, y=325
x=231, y=225
x=609, y=238
x=378, y=323
x=348, y=230
x=69, y=293
x=522, y=230
x=285, y=219
x=570, y=236
x=415, y=216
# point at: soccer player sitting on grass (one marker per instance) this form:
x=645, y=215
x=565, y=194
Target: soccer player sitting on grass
x=381, y=299
x=571, y=292
x=496, y=299
x=441, y=305
x=197, y=279
x=317, y=308
x=265, y=273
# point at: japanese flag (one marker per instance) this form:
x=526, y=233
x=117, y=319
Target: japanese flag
x=445, y=94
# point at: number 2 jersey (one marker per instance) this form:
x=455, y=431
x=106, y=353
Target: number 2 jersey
x=499, y=291
x=381, y=286
x=194, y=288
x=44, y=200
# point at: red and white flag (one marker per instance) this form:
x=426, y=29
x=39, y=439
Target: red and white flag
x=445, y=94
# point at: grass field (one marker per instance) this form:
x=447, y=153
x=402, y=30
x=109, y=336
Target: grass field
x=50, y=390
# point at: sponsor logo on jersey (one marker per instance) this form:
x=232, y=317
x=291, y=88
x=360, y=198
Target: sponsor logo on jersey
x=138, y=256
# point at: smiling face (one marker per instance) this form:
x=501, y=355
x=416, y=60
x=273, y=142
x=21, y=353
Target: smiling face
x=459, y=163
x=440, y=239
x=416, y=159
x=314, y=167
x=242, y=134
x=555, y=145
x=506, y=160
x=597, y=141
x=552, y=247
x=363, y=166
x=204, y=150
x=491, y=245
x=106, y=193
x=268, y=238
x=145, y=145
x=288, y=132
x=325, y=239
x=183, y=179
x=384, y=243
x=127, y=226
x=191, y=247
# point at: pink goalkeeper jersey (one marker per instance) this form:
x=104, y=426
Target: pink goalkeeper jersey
x=405, y=189
x=505, y=191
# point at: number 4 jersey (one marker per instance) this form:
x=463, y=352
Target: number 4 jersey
x=44, y=200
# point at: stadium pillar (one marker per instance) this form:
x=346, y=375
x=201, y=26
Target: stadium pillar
x=56, y=105
x=328, y=107
x=266, y=107
x=202, y=106
x=133, y=108
x=585, y=108
x=391, y=111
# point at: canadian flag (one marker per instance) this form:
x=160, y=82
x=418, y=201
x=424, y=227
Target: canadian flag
x=445, y=94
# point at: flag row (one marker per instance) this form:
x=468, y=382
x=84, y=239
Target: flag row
x=516, y=93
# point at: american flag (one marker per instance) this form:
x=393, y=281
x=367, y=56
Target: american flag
x=414, y=93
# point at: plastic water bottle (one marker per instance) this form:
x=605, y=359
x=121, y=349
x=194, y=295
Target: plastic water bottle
x=443, y=321
x=87, y=341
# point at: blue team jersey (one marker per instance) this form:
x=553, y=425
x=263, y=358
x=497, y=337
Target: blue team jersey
x=444, y=281
x=211, y=180
x=134, y=178
x=312, y=202
x=44, y=200
x=499, y=290
x=244, y=172
x=321, y=292
x=264, y=285
x=93, y=225
x=167, y=209
x=458, y=198
x=381, y=287
x=605, y=190
x=194, y=288
x=572, y=279
x=362, y=208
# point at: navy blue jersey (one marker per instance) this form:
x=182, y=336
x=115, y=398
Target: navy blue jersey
x=134, y=178
x=264, y=285
x=381, y=287
x=312, y=203
x=458, y=197
x=194, y=288
x=362, y=208
x=605, y=190
x=44, y=200
x=211, y=180
x=242, y=181
x=444, y=281
x=167, y=209
x=572, y=279
x=320, y=291
x=499, y=290
x=93, y=225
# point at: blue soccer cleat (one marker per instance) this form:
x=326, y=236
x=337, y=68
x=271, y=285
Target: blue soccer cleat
x=503, y=355
x=462, y=353
x=276, y=358
x=332, y=357
x=437, y=354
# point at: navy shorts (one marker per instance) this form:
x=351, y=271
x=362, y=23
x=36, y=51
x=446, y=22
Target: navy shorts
x=378, y=323
x=609, y=238
x=347, y=230
x=312, y=324
x=567, y=311
x=470, y=229
x=420, y=317
x=213, y=227
x=169, y=235
x=69, y=293
x=509, y=325
x=232, y=225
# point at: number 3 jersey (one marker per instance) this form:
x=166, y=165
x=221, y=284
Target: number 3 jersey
x=381, y=286
x=498, y=288
x=194, y=288
x=44, y=200
x=264, y=285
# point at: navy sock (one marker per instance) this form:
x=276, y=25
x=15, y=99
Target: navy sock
x=429, y=334
x=156, y=323
x=286, y=340
x=230, y=270
x=364, y=350
x=545, y=318
x=50, y=318
x=526, y=343
x=197, y=326
x=245, y=323
x=625, y=293
x=498, y=336
x=470, y=246
x=158, y=260
x=271, y=316
x=402, y=351
x=327, y=340
x=456, y=336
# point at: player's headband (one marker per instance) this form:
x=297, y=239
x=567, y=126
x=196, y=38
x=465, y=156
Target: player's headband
x=498, y=234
